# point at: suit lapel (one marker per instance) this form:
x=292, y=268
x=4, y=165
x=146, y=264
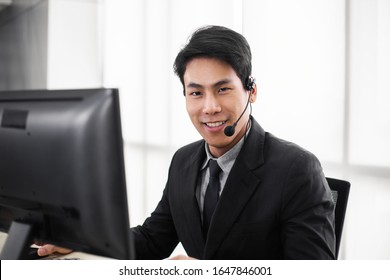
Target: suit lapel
x=190, y=208
x=240, y=185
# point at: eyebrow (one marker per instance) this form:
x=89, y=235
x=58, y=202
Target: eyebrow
x=217, y=84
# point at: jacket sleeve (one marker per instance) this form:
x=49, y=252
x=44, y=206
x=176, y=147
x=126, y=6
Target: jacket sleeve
x=307, y=211
x=156, y=238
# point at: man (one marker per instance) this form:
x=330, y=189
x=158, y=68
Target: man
x=270, y=199
x=274, y=200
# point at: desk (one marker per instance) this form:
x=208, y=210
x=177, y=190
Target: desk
x=71, y=256
x=75, y=256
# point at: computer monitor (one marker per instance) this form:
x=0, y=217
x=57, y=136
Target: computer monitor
x=62, y=174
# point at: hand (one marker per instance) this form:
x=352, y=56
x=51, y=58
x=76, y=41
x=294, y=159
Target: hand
x=181, y=257
x=49, y=249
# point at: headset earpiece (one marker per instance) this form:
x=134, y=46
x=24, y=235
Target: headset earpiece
x=250, y=83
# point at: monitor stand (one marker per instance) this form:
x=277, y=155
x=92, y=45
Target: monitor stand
x=18, y=242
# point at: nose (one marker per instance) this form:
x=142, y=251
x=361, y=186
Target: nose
x=211, y=104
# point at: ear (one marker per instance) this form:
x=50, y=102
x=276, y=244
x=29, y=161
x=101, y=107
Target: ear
x=253, y=94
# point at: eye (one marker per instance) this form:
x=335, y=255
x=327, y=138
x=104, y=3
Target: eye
x=224, y=89
x=195, y=93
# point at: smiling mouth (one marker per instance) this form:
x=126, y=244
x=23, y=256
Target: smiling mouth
x=215, y=124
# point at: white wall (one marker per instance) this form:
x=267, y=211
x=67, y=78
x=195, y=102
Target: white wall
x=74, y=44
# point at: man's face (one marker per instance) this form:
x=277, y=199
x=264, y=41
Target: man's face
x=215, y=98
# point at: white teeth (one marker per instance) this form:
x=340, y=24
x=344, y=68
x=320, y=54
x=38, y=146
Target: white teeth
x=214, y=124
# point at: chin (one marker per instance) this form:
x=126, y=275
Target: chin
x=219, y=143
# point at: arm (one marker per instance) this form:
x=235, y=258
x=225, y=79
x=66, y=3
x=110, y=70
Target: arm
x=307, y=212
x=156, y=238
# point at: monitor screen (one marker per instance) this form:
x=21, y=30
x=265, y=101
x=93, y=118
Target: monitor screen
x=62, y=174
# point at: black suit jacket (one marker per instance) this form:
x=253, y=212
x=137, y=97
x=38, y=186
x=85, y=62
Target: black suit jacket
x=276, y=204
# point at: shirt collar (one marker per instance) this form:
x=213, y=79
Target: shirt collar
x=225, y=161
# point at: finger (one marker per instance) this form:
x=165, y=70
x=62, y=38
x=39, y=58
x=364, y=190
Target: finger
x=181, y=257
x=49, y=249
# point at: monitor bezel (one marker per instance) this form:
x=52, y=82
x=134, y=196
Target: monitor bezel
x=84, y=127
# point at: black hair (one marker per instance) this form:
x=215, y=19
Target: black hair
x=217, y=42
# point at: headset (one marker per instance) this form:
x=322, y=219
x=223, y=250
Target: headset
x=249, y=85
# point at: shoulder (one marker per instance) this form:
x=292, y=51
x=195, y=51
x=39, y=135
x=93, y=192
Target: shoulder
x=300, y=170
x=189, y=150
x=188, y=155
x=279, y=149
x=287, y=161
x=265, y=148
